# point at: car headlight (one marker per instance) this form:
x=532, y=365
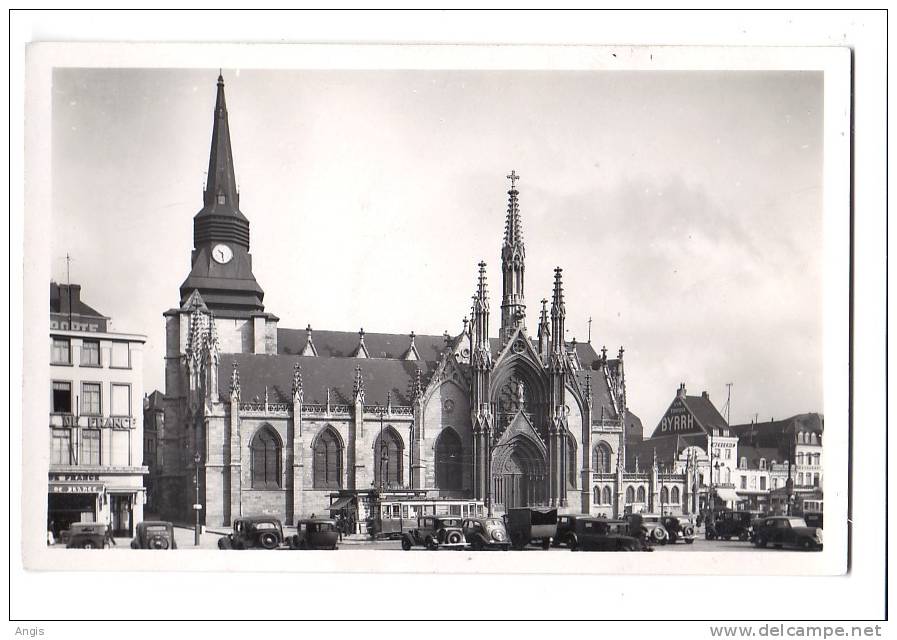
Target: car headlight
x=498, y=535
x=819, y=534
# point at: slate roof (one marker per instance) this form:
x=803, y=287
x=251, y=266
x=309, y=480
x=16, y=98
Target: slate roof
x=258, y=371
x=754, y=454
x=705, y=412
x=59, y=301
x=777, y=434
x=385, y=369
x=154, y=401
x=634, y=430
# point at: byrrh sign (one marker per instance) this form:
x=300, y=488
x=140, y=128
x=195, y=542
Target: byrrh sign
x=678, y=420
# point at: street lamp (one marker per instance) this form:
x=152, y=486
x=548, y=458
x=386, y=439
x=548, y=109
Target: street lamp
x=196, y=505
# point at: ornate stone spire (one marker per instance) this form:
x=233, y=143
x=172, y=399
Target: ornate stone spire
x=235, y=382
x=588, y=390
x=417, y=390
x=558, y=313
x=481, y=356
x=513, y=253
x=297, y=383
x=357, y=386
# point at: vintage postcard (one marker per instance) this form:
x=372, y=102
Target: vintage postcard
x=455, y=309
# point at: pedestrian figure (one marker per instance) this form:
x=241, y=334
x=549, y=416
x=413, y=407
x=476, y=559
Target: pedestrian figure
x=109, y=537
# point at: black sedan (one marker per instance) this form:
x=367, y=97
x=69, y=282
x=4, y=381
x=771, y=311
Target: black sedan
x=781, y=531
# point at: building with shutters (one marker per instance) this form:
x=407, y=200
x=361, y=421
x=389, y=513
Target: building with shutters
x=96, y=468
x=281, y=420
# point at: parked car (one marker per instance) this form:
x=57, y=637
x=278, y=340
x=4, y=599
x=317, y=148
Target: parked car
x=652, y=527
x=731, y=524
x=315, y=534
x=600, y=534
x=435, y=532
x=89, y=535
x=485, y=533
x=813, y=518
x=527, y=524
x=260, y=532
x=566, y=529
x=792, y=531
x=679, y=528
x=154, y=534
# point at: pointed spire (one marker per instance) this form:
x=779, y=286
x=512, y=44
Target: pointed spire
x=513, y=230
x=297, y=383
x=235, y=382
x=482, y=288
x=588, y=390
x=357, y=387
x=221, y=184
x=558, y=313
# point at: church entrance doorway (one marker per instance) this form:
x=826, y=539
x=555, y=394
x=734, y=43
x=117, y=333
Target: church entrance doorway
x=518, y=474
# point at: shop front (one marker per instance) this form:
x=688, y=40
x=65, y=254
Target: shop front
x=72, y=500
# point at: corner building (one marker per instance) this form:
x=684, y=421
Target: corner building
x=282, y=420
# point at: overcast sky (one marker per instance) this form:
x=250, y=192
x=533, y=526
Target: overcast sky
x=684, y=207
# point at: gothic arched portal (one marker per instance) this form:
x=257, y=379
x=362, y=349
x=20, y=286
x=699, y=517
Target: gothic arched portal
x=519, y=474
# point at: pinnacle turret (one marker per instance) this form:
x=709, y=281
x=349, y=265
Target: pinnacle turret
x=513, y=253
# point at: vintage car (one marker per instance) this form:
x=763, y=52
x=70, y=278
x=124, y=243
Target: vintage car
x=153, y=534
x=485, y=533
x=566, y=529
x=679, y=528
x=651, y=525
x=730, y=524
x=435, y=532
x=88, y=535
x=315, y=534
x=260, y=532
x=600, y=534
x=527, y=524
x=780, y=531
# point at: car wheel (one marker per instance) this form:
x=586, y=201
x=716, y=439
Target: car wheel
x=761, y=542
x=572, y=543
x=406, y=544
x=806, y=544
x=743, y=536
x=453, y=537
x=546, y=543
x=432, y=545
x=709, y=536
x=88, y=544
x=268, y=540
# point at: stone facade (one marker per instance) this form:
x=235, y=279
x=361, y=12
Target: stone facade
x=279, y=419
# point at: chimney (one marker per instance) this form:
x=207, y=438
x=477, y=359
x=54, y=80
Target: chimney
x=680, y=392
x=705, y=395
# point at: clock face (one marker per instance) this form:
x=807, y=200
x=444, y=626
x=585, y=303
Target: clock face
x=222, y=253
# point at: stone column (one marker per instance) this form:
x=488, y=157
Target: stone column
x=298, y=463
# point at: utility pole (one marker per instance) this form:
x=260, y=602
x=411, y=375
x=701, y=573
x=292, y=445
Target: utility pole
x=590, y=329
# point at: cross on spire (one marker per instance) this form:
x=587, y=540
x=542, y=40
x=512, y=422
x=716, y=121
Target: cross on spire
x=513, y=177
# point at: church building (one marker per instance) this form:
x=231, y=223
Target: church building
x=277, y=421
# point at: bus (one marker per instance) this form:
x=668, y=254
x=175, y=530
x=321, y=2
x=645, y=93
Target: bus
x=393, y=515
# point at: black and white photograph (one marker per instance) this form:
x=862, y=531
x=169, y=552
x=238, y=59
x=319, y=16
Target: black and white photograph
x=442, y=310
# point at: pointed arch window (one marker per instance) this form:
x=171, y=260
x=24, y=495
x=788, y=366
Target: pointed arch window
x=601, y=458
x=596, y=495
x=265, y=459
x=606, y=496
x=664, y=495
x=640, y=495
x=571, y=462
x=388, y=459
x=449, y=461
x=328, y=460
x=630, y=495
x=674, y=495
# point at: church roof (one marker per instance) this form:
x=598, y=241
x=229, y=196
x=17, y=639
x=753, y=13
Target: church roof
x=258, y=372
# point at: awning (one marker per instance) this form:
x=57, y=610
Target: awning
x=341, y=503
x=726, y=495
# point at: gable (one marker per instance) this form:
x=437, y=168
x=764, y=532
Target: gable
x=678, y=420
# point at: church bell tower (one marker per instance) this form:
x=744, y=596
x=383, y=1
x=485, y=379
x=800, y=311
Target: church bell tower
x=221, y=266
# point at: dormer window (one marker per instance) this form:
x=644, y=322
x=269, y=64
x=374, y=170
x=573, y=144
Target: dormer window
x=744, y=463
x=762, y=463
